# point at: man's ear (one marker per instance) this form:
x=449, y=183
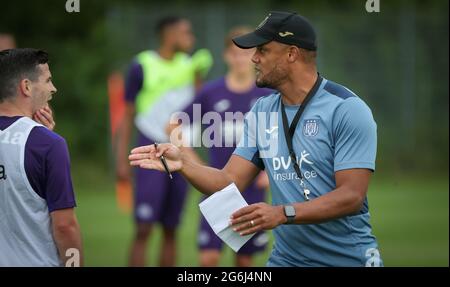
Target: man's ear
x=25, y=87
x=293, y=54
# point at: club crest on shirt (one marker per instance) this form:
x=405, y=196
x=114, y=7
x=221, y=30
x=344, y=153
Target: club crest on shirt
x=311, y=128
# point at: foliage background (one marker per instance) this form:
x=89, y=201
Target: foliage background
x=396, y=60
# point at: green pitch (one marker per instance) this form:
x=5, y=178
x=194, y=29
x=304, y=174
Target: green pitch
x=409, y=218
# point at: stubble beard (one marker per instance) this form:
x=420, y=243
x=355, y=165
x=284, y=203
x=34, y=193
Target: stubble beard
x=272, y=79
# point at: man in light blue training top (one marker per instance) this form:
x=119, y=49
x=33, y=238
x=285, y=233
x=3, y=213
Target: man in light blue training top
x=317, y=141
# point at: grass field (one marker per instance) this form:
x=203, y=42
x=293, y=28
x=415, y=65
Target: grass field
x=409, y=218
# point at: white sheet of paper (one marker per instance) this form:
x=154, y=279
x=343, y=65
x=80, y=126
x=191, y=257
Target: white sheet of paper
x=217, y=210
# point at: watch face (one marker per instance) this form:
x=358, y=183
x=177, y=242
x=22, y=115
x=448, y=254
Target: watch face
x=289, y=210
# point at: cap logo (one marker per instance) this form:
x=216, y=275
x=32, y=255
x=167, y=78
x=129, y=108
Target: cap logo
x=263, y=21
x=287, y=33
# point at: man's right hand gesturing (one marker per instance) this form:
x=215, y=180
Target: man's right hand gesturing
x=148, y=157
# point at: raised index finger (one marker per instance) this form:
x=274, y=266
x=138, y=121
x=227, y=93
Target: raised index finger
x=46, y=114
x=143, y=149
x=48, y=109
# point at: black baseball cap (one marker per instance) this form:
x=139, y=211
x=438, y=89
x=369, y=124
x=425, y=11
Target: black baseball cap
x=284, y=27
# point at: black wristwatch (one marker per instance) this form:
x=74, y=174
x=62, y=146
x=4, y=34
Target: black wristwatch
x=289, y=212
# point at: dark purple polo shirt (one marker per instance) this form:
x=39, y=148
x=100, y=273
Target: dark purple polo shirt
x=215, y=96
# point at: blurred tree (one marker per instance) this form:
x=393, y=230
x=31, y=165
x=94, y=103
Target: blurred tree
x=396, y=60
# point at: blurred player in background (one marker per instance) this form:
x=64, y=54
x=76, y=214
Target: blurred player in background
x=37, y=219
x=234, y=93
x=159, y=83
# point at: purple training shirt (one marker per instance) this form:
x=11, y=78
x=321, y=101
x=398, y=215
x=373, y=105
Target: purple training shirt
x=134, y=80
x=215, y=96
x=47, y=165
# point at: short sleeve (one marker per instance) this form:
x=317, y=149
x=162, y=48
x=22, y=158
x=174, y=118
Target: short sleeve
x=134, y=81
x=247, y=147
x=202, y=61
x=355, y=136
x=58, y=188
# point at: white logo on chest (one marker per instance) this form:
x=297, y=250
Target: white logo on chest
x=222, y=105
x=285, y=162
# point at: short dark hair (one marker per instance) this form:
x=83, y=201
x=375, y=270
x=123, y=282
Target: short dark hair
x=166, y=22
x=16, y=65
